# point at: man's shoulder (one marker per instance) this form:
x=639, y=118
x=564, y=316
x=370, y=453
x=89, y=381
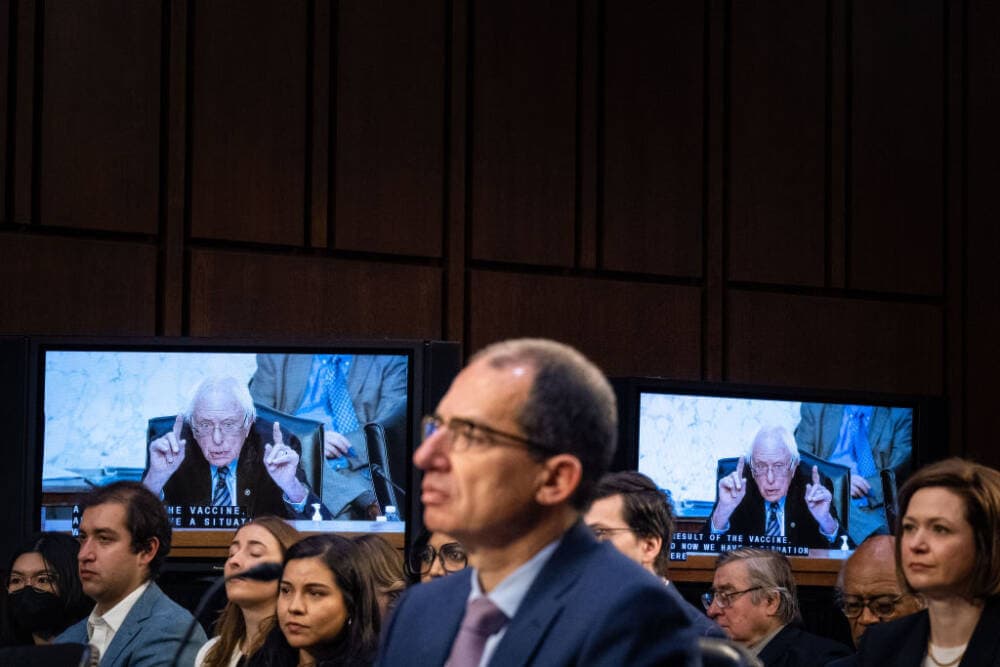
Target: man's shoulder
x=154, y=601
x=807, y=648
x=74, y=634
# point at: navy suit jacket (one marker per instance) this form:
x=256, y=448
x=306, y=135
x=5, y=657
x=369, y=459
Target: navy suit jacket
x=150, y=635
x=703, y=625
x=794, y=647
x=903, y=642
x=589, y=605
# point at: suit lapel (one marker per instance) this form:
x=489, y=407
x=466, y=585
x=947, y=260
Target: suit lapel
x=880, y=422
x=984, y=645
x=545, y=599
x=133, y=623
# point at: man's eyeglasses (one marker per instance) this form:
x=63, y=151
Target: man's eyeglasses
x=604, y=534
x=882, y=606
x=724, y=599
x=776, y=469
x=452, y=556
x=228, y=427
x=45, y=581
x=463, y=433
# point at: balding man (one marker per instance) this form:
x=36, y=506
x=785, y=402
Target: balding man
x=787, y=499
x=510, y=460
x=868, y=589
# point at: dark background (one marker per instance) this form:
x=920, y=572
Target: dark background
x=767, y=192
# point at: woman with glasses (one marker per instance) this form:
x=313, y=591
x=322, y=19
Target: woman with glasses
x=327, y=608
x=249, y=614
x=948, y=552
x=44, y=596
x=435, y=555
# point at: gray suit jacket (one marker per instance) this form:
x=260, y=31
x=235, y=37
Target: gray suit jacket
x=150, y=635
x=377, y=385
x=890, y=436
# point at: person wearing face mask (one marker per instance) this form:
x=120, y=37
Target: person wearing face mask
x=249, y=614
x=43, y=589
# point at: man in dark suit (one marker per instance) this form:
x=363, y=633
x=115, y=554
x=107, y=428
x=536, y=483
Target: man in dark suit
x=631, y=513
x=344, y=392
x=237, y=462
x=754, y=599
x=788, y=503
x=125, y=536
x=510, y=460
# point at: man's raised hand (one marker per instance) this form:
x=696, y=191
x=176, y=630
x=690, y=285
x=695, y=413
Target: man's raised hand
x=732, y=490
x=166, y=454
x=282, y=463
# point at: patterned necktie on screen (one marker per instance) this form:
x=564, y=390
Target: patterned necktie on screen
x=860, y=448
x=221, y=497
x=773, y=529
x=482, y=619
x=338, y=398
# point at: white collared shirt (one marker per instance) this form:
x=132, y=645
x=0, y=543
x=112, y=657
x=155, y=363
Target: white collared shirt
x=101, y=629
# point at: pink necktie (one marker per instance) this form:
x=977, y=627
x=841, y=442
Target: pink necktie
x=482, y=619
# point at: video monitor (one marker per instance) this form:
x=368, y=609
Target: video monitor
x=320, y=434
x=802, y=472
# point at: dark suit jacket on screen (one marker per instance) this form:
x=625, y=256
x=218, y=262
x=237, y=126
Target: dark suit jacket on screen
x=149, y=636
x=191, y=484
x=903, y=642
x=589, y=605
x=794, y=647
x=801, y=528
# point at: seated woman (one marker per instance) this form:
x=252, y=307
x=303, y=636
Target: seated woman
x=43, y=589
x=250, y=611
x=948, y=552
x=387, y=567
x=435, y=555
x=327, y=608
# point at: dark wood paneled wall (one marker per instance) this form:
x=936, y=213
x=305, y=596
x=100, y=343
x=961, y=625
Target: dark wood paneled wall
x=770, y=192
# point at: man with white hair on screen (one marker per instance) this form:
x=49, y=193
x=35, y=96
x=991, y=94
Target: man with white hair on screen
x=788, y=502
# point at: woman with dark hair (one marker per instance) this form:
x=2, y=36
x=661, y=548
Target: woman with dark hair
x=327, y=608
x=948, y=552
x=43, y=589
x=249, y=614
x=387, y=567
x=435, y=555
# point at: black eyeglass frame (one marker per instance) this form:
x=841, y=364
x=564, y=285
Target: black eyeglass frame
x=862, y=603
x=724, y=599
x=473, y=431
x=435, y=555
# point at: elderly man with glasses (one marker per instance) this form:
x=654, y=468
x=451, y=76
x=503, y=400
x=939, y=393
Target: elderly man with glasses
x=754, y=600
x=788, y=503
x=867, y=588
x=234, y=461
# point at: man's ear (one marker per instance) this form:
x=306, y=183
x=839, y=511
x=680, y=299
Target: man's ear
x=148, y=553
x=650, y=546
x=772, y=602
x=560, y=478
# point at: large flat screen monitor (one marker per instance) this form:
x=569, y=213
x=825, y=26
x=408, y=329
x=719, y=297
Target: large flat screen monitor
x=320, y=433
x=726, y=456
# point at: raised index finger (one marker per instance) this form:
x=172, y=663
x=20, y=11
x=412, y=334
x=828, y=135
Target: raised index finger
x=178, y=427
x=815, y=475
x=278, y=438
x=739, y=468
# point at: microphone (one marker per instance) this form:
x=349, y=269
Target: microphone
x=377, y=469
x=262, y=572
